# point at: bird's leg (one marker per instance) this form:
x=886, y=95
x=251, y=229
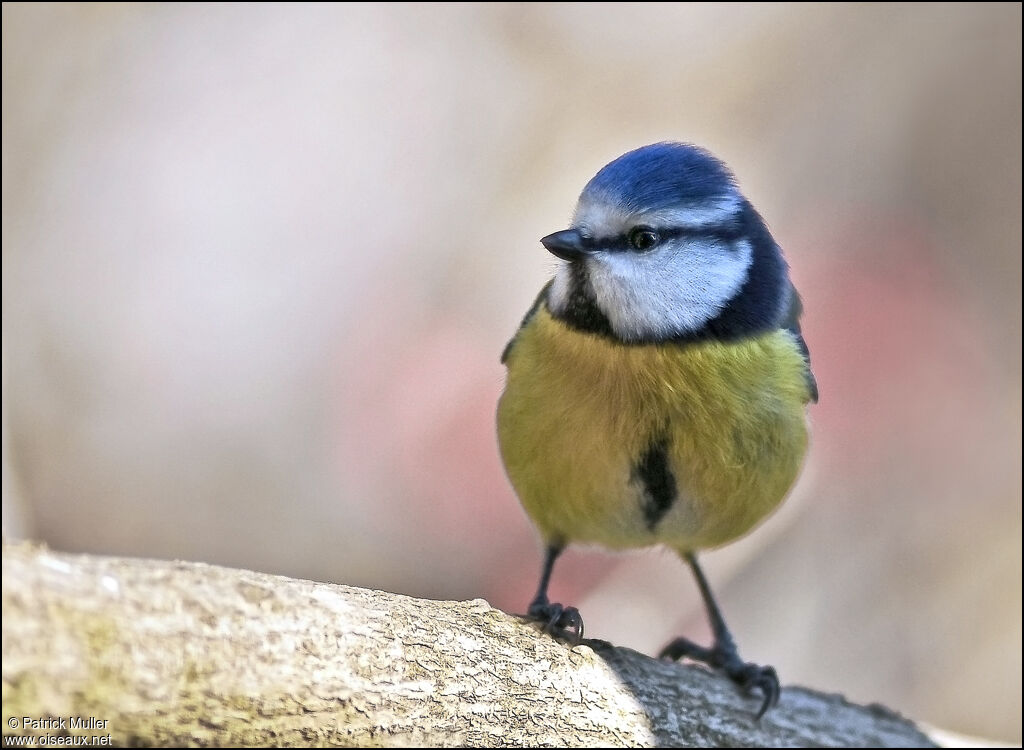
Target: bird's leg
x=554, y=616
x=723, y=654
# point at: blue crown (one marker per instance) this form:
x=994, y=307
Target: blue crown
x=662, y=175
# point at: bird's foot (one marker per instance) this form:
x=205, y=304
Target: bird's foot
x=565, y=620
x=747, y=675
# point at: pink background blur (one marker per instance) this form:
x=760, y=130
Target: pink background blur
x=259, y=263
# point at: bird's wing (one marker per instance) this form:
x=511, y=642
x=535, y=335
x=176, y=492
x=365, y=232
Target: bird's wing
x=526, y=319
x=791, y=323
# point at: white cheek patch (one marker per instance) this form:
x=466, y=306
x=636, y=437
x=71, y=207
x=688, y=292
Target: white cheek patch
x=561, y=287
x=674, y=290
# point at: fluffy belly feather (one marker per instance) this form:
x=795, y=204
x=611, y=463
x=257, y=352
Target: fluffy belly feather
x=689, y=445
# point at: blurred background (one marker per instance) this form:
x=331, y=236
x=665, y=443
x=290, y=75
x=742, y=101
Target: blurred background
x=259, y=264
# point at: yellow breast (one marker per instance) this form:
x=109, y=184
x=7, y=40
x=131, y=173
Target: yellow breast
x=583, y=421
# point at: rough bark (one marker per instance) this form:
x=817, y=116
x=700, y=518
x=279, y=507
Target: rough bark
x=175, y=653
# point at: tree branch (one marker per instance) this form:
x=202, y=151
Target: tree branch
x=175, y=653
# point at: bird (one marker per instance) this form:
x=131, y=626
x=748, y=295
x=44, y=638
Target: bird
x=656, y=390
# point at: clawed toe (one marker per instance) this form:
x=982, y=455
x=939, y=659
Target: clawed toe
x=754, y=676
x=683, y=648
x=745, y=674
x=558, y=619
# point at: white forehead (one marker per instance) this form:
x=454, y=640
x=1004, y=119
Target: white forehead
x=598, y=216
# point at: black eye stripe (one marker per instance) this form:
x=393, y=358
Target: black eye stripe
x=723, y=232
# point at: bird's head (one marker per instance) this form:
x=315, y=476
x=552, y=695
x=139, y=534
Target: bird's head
x=663, y=246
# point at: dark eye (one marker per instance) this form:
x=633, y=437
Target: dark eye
x=643, y=238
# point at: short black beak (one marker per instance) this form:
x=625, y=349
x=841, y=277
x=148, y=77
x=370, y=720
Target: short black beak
x=567, y=244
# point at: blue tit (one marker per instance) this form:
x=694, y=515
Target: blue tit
x=657, y=388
